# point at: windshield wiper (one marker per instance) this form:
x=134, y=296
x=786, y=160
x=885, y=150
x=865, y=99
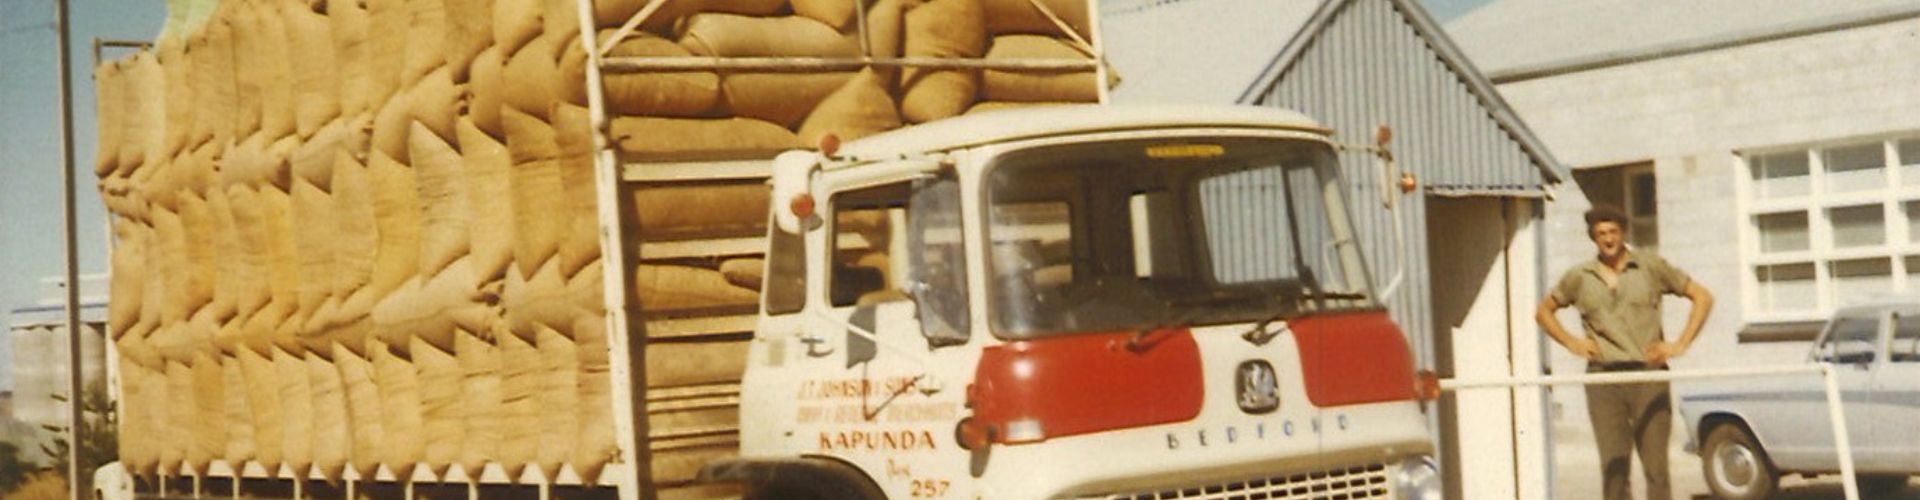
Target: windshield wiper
x=1259, y=335
x=1337, y=295
x=1138, y=342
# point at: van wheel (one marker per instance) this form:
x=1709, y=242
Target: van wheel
x=1736, y=467
x=1880, y=485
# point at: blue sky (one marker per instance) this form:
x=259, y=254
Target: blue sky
x=30, y=213
x=31, y=242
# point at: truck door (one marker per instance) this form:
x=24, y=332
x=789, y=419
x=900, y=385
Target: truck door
x=886, y=385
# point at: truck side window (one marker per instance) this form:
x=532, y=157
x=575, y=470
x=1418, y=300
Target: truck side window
x=1906, y=339
x=864, y=242
x=786, y=281
x=1851, y=341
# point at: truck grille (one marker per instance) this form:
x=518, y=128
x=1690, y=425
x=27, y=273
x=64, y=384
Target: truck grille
x=1358, y=482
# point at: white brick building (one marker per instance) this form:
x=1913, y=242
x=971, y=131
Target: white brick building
x=1769, y=147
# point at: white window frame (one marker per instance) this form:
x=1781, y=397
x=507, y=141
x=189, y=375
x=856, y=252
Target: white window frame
x=1892, y=197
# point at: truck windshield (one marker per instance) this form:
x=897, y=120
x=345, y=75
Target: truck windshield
x=1133, y=235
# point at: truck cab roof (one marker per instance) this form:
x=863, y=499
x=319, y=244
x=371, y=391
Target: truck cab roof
x=1043, y=121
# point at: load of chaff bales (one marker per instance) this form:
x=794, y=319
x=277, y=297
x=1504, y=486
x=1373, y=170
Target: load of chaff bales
x=355, y=234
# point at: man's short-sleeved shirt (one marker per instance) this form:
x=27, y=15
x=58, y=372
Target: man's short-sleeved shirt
x=1624, y=319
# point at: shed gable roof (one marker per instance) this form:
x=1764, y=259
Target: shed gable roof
x=1241, y=50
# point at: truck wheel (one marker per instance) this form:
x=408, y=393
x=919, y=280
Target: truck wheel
x=1880, y=485
x=1736, y=468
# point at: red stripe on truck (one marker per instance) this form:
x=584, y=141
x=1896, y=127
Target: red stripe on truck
x=1083, y=384
x=1349, y=359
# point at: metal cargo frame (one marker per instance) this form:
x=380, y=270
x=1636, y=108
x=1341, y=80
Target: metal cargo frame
x=619, y=178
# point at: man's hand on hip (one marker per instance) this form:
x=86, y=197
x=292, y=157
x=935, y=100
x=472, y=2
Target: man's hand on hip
x=1584, y=348
x=1662, y=351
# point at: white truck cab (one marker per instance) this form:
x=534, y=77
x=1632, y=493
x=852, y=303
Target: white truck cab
x=1076, y=302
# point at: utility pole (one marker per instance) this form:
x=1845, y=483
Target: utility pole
x=76, y=414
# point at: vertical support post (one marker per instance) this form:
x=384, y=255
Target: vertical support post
x=626, y=343
x=299, y=488
x=76, y=484
x=546, y=489
x=199, y=488
x=407, y=490
x=1842, y=445
x=473, y=488
x=1099, y=44
x=1533, y=462
x=352, y=487
x=860, y=18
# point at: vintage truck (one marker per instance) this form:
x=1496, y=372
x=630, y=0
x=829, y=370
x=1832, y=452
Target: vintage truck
x=677, y=280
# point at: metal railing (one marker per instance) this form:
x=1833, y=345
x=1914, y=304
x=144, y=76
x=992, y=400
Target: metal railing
x=1835, y=414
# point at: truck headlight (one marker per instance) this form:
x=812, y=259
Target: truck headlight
x=1418, y=478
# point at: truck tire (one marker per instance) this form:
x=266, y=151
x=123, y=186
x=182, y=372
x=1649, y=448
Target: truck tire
x=822, y=480
x=1736, y=468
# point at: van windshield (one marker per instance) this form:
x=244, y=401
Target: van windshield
x=1133, y=235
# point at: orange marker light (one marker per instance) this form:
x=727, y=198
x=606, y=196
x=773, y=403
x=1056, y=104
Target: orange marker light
x=801, y=205
x=829, y=144
x=1427, y=385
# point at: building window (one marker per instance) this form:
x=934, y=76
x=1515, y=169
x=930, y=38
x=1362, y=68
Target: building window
x=1630, y=188
x=1828, y=226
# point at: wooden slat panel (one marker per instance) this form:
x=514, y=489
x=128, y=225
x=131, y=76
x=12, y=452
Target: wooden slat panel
x=679, y=212
x=689, y=363
x=661, y=170
x=725, y=414
x=695, y=327
x=680, y=466
x=745, y=246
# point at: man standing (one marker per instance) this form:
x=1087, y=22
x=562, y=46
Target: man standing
x=1618, y=296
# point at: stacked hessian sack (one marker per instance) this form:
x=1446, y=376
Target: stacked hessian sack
x=355, y=234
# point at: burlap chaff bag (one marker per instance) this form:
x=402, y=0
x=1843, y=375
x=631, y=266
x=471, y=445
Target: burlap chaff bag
x=611, y=13
x=352, y=49
x=316, y=79
x=332, y=443
x=728, y=35
x=580, y=237
x=109, y=87
x=669, y=137
x=1067, y=86
x=489, y=92
x=708, y=211
x=942, y=28
x=536, y=189
x=654, y=93
x=1022, y=17
x=862, y=107
x=487, y=170
x=469, y=30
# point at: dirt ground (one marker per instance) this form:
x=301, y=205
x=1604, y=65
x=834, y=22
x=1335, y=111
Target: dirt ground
x=1577, y=473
